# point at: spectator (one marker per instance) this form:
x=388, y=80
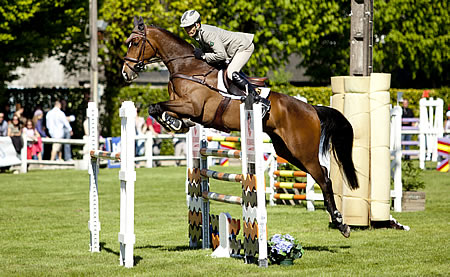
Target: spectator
x=15, y=132
x=8, y=113
x=38, y=122
x=3, y=125
x=179, y=146
x=406, y=113
x=67, y=133
x=34, y=142
x=19, y=113
x=141, y=129
x=56, y=123
x=154, y=127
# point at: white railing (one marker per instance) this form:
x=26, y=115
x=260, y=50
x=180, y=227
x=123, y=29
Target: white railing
x=82, y=164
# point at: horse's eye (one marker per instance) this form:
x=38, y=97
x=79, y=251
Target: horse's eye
x=136, y=42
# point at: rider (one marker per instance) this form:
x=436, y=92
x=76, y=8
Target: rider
x=218, y=45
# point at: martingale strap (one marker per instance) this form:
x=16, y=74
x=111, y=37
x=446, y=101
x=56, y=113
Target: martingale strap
x=218, y=117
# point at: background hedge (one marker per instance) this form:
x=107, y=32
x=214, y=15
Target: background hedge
x=143, y=96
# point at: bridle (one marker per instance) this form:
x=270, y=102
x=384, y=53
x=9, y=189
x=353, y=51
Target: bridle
x=140, y=62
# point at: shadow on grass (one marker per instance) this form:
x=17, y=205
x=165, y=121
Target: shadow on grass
x=166, y=248
x=136, y=259
x=331, y=249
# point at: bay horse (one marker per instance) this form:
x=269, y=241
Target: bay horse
x=296, y=128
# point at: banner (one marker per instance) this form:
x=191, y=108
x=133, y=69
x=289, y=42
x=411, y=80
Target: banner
x=8, y=155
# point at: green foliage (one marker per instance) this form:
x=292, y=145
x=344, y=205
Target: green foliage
x=31, y=30
x=314, y=95
x=412, y=41
x=411, y=176
x=142, y=96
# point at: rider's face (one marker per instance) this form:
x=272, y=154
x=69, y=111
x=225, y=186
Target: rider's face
x=191, y=30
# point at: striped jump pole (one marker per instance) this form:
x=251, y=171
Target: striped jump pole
x=290, y=195
x=224, y=153
x=289, y=173
x=253, y=194
x=99, y=154
x=230, y=199
x=127, y=177
x=230, y=177
x=232, y=139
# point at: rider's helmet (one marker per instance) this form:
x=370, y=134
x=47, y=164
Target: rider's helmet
x=189, y=18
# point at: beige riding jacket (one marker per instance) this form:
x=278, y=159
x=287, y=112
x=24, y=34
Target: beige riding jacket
x=219, y=44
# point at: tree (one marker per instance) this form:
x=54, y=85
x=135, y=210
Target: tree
x=31, y=30
x=413, y=42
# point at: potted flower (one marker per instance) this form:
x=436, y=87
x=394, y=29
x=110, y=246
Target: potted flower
x=413, y=200
x=284, y=249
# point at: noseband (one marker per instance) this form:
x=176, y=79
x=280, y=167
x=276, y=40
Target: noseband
x=140, y=62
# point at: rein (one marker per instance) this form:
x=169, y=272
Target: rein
x=197, y=80
x=140, y=62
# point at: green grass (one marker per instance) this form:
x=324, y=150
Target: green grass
x=44, y=231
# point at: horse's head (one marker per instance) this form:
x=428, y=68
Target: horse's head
x=140, y=51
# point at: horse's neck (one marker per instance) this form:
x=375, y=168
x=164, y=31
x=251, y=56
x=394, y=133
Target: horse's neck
x=178, y=57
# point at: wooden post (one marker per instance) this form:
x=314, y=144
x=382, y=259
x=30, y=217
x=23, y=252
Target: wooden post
x=361, y=38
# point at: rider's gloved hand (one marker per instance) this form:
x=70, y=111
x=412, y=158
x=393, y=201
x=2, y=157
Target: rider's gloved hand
x=198, y=53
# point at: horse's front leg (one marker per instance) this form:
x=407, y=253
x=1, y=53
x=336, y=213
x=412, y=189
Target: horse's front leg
x=173, y=114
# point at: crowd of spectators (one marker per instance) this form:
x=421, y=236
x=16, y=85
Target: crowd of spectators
x=55, y=124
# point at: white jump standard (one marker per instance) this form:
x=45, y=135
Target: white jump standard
x=127, y=177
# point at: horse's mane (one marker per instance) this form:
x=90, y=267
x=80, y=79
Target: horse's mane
x=182, y=44
x=178, y=39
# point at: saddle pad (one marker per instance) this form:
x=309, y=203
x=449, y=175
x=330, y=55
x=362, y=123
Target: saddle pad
x=263, y=91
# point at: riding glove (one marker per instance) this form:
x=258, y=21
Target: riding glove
x=198, y=53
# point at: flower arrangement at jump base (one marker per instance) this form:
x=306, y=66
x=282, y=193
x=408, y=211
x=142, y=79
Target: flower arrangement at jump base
x=284, y=249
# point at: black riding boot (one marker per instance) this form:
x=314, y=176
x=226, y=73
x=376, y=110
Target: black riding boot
x=241, y=83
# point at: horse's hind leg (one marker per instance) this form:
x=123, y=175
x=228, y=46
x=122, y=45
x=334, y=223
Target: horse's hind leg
x=321, y=176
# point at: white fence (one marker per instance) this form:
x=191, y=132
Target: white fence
x=82, y=164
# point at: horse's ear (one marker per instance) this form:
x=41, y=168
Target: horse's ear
x=141, y=24
x=135, y=21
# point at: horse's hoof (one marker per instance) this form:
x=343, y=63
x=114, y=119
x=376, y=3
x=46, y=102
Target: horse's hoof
x=188, y=123
x=345, y=230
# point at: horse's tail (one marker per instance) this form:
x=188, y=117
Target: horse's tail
x=336, y=127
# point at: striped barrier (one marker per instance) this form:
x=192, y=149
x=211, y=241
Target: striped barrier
x=291, y=193
x=289, y=173
x=288, y=196
x=444, y=152
x=254, y=214
x=230, y=199
x=230, y=177
x=225, y=153
x=127, y=177
x=231, y=139
x=105, y=155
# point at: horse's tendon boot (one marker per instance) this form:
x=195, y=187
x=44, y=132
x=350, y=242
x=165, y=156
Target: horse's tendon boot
x=171, y=122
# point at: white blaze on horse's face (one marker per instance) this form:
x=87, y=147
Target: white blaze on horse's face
x=128, y=74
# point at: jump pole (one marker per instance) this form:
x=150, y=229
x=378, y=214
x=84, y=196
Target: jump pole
x=252, y=202
x=127, y=177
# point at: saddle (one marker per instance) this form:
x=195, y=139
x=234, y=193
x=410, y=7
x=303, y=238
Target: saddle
x=234, y=90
